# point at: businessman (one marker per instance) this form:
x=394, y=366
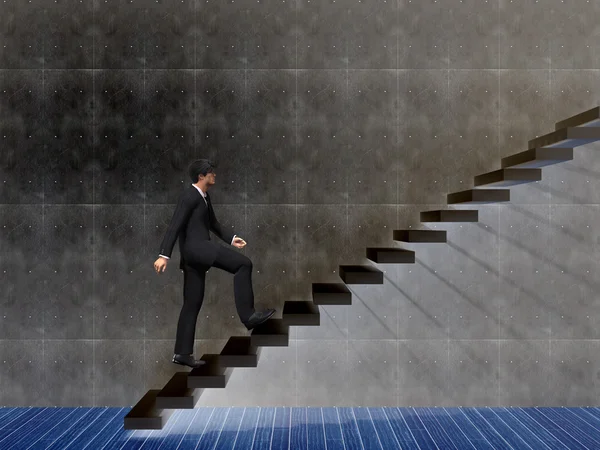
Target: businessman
x=191, y=222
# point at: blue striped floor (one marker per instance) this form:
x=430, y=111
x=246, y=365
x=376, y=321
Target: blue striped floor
x=306, y=428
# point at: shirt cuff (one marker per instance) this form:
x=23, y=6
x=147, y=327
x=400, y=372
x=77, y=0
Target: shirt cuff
x=164, y=256
x=233, y=239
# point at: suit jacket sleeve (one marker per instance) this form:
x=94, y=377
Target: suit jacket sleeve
x=215, y=226
x=182, y=213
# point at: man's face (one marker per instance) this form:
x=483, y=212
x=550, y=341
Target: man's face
x=210, y=178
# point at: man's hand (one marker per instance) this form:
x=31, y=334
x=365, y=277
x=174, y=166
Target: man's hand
x=160, y=263
x=238, y=242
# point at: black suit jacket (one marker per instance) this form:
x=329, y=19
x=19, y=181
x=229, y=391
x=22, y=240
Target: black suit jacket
x=191, y=222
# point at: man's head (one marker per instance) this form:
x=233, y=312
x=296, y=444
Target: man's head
x=202, y=173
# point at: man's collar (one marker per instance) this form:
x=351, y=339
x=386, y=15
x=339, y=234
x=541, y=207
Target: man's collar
x=204, y=194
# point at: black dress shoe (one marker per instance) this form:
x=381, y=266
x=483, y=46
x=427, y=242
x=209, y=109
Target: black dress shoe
x=188, y=360
x=259, y=317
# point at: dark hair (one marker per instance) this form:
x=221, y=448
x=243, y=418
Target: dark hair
x=200, y=167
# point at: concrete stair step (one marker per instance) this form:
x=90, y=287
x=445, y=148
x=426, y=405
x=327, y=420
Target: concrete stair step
x=331, y=294
x=434, y=236
x=301, y=313
x=239, y=352
x=569, y=137
x=210, y=375
x=360, y=274
x=589, y=118
x=177, y=395
x=473, y=196
x=272, y=333
x=538, y=157
x=450, y=215
x=390, y=255
x=508, y=177
x=145, y=415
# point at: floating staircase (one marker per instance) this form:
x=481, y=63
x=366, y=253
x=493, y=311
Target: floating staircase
x=184, y=389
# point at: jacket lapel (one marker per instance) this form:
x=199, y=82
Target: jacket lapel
x=207, y=198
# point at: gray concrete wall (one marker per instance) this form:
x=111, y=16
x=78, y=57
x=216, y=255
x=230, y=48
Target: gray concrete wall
x=333, y=123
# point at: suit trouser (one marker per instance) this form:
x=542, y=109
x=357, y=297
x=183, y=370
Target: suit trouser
x=193, y=294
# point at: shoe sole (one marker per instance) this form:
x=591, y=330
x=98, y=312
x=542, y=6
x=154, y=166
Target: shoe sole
x=261, y=322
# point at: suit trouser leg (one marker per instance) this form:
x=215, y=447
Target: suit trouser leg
x=193, y=294
x=240, y=265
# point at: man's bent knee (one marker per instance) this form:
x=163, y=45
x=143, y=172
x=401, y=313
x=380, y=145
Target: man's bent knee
x=247, y=263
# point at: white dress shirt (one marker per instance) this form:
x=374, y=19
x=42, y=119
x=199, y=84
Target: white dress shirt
x=204, y=197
